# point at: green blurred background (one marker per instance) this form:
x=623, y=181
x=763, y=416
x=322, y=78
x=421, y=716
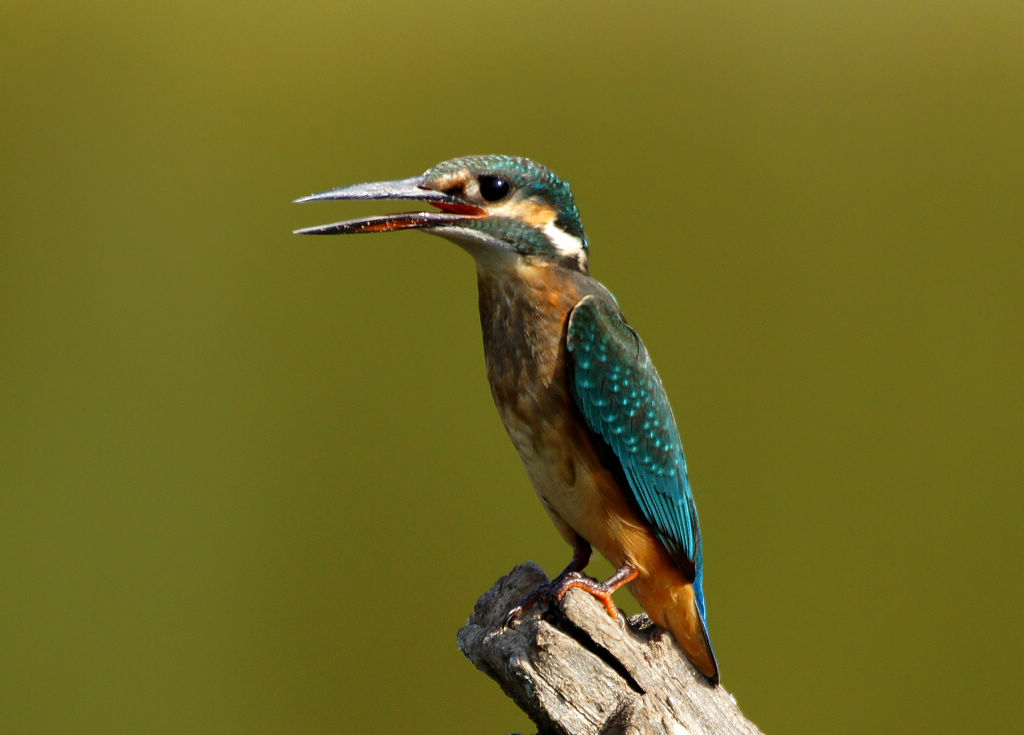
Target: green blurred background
x=254, y=483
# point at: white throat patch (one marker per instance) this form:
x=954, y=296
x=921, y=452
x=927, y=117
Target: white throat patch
x=568, y=245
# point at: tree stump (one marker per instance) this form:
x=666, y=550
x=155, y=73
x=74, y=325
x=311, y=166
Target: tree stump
x=576, y=671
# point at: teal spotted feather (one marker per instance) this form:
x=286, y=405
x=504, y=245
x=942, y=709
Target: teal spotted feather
x=621, y=397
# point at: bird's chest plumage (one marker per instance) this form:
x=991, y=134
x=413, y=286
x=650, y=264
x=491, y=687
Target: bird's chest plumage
x=524, y=313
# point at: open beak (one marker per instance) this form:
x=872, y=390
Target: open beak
x=453, y=208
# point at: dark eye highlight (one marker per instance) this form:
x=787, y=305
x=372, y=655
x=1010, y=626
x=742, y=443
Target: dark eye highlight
x=494, y=188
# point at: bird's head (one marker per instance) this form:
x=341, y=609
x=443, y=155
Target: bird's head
x=493, y=206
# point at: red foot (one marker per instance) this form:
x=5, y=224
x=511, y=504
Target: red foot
x=557, y=588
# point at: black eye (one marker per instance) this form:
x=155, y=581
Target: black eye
x=493, y=188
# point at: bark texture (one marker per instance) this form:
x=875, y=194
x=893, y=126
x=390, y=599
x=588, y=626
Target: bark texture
x=576, y=671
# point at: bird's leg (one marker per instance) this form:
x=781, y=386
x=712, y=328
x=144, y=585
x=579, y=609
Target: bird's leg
x=553, y=589
x=601, y=590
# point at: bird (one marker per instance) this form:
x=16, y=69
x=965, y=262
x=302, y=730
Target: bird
x=573, y=382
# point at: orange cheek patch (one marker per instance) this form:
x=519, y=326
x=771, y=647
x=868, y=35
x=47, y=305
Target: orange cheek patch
x=529, y=211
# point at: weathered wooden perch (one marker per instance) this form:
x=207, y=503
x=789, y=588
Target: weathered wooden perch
x=576, y=671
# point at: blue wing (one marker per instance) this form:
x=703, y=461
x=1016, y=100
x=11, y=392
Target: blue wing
x=621, y=397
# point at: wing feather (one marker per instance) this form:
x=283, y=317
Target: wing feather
x=621, y=397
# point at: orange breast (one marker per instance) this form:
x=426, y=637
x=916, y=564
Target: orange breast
x=524, y=312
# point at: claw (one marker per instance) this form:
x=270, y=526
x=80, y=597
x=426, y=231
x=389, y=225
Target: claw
x=512, y=615
x=557, y=588
x=545, y=592
x=549, y=590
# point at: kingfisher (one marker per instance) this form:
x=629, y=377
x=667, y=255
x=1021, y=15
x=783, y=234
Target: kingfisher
x=572, y=380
